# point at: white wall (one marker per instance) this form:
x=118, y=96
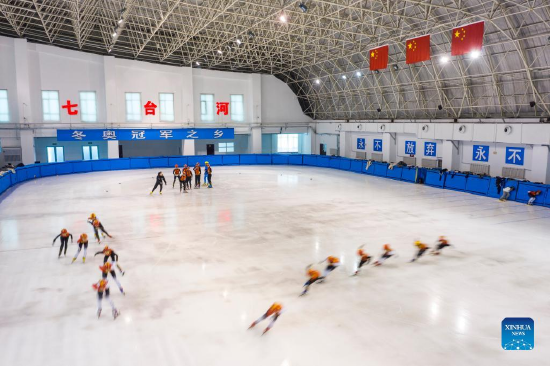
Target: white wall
x=279, y=104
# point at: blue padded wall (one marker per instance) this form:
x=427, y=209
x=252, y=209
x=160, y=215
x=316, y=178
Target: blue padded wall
x=279, y=159
x=395, y=173
x=524, y=187
x=380, y=169
x=408, y=174
x=434, y=179
x=230, y=159
x=295, y=159
x=247, y=159
x=478, y=185
x=456, y=181
x=345, y=164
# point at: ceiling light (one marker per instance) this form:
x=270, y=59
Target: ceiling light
x=197, y=63
x=317, y=81
x=444, y=59
x=303, y=7
x=109, y=50
x=238, y=41
x=376, y=72
x=344, y=77
x=282, y=18
x=474, y=54
x=358, y=73
x=114, y=34
x=120, y=21
x=395, y=67
x=220, y=52
x=532, y=104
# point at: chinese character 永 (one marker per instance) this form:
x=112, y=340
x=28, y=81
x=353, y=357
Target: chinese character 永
x=69, y=107
x=192, y=134
x=78, y=135
x=138, y=135
x=360, y=144
x=109, y=135
x=150, y=108
x=166, y=134
x=223, y=107
x=218, y=134
x=480, y=153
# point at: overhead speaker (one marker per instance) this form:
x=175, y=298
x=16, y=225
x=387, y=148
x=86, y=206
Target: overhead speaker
x=339, y=127
x=440, y=107
x=532, y=104
x=508, y=129
x=378, y=109
x=359, y=126
x=425, y=128
x=382, y=127
x=462, y=129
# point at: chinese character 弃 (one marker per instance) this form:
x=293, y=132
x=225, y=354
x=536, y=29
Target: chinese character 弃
x=218, y=134
x=192, y=134
x=70, y=107
x=430, y=149
x=150, y=108
x=138, y=135
x=223, y=107
x=166, y=134
x=78, y=135
x=109, y=135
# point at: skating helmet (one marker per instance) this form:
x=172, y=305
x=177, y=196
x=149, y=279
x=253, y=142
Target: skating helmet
x=360, y=252
x=92, y=216
x=387, y=247
x=417, y=243
x=176, y=165
x=207, y=163
x=84, y=236
x=441, y=237
x=106, y=267
x=64, y=231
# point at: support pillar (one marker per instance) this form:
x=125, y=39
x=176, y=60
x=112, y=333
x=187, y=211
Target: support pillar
x=389, y=147
x=345, y=144
x=255, y=140
x=540, y=163
x=22, y=79
x=28, y=153
x=450, y=157
x=112, y=149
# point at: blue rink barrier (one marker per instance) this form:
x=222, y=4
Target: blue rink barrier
x=485, y=186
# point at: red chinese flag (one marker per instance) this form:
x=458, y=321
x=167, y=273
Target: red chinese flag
x=378, y=58
x=467, y=38
x=418, y=49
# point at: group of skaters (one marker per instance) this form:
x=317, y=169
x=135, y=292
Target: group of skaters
x=185, y=177
x=110, y=261
x=334, y=262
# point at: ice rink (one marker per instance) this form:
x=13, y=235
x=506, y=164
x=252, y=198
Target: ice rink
x=201, y=267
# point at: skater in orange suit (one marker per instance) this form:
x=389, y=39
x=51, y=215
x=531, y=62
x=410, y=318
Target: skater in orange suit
x=364, y=258
x=332, y=264
x=422, y=248
x=177, y=173
x=388, y=252
x=313, y=277
x=275, y=311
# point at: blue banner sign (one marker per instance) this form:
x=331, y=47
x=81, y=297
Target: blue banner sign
x=146, y=134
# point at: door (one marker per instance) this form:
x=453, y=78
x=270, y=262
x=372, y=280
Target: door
x=120, y=154
x=210, y=149
x=323, y=149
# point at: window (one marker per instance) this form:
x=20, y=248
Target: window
x=55, y=154
x=4, y=111
x=225, y=147
x=237, y=107
x=88, y=106
x=207, y=107
x=287, y=143
x=167, y=107
x=133, y=107
x=90, y=153
x=50, y=105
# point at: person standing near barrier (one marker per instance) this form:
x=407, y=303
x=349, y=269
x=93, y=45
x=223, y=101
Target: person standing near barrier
x=198, y=173
x=506, y=193
x=532, y=197
x=176, y=173
x=208, y=169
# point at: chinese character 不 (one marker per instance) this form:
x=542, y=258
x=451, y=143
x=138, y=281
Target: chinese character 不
x=150, y=108
x=138, y=135
x=480, y=154
x=166, y=134
x=377, y=145
x=109, y=135
x=218, y=134
x=223, y=107
x=78, y=135
x=192, y=134
x=70, y=107
x=410, y=148
x=514, y=155
x=430, y=150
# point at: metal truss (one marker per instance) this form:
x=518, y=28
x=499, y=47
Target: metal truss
x=312, y=51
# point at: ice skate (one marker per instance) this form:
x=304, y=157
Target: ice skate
x=98, y=313
x=74, y=259
x=116, y=313
x=83, y=259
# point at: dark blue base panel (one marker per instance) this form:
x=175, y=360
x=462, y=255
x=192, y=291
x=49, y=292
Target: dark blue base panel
x=475, y=184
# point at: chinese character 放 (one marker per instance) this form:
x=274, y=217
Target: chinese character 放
x=192, y=134
x=218, y=134
x=150, y=108
x=109, y=135
x=223, y=107
x=166, y=134
x=138, y=135
x=78, y=135
x=410, y=147
x=69, y=107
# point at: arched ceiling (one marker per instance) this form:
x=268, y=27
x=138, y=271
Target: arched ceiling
x=329, y=40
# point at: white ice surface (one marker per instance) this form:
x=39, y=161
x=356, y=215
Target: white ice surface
x=201, y=267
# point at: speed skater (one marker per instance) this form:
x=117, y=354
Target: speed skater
x=275, y=311
x=64, y=235
x=332, y=263
x=102, y=287
x=105, y=270
x=442, y=243
x=97, y=225
x=109, y=253
x=422, y=248
x=364, y=258
x=177, y=173
x=82, y=242
x=313, y=277
x=159, y=182
x=388, y=252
